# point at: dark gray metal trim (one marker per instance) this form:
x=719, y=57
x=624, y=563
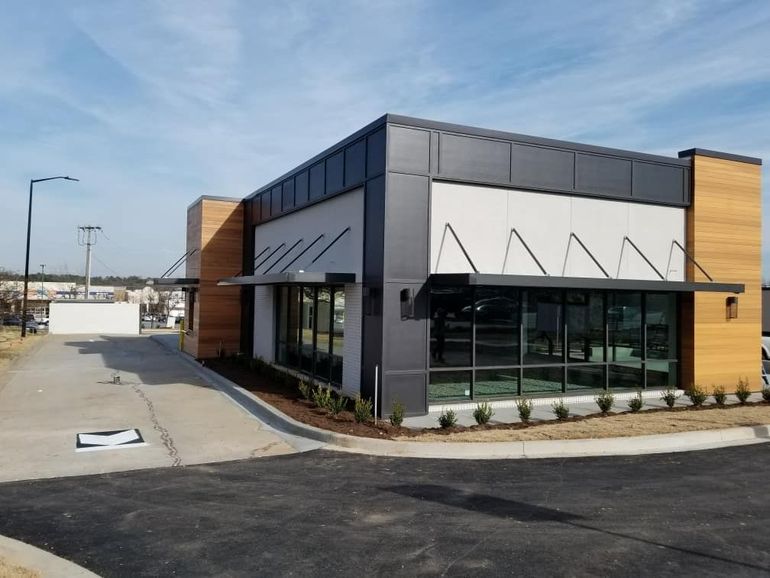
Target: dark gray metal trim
x=527, y=139
x=174, y=282
x=306, y=278
x=719, y=155
x=582, y=283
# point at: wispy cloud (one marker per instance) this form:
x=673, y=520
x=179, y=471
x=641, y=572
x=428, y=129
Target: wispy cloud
x=152, y=103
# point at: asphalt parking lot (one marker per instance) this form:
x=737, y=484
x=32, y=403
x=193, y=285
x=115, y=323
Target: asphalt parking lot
x=322, y=513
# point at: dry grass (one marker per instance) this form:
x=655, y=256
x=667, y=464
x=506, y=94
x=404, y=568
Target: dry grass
x=625, y=425
x=10, y=570
x=11, y=344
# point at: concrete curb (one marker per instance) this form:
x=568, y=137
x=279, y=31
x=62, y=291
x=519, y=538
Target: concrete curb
x=623, y=446
x=47, y=564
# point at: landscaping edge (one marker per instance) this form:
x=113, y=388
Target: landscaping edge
x=36, y=559
x=648, y=444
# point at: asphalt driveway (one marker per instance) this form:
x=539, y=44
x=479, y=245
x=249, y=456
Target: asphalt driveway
x=323, y=514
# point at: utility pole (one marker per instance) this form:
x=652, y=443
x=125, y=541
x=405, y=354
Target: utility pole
x=85, y=234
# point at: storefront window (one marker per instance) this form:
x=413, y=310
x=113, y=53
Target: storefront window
x=451, y=314
x=661, y=326
x=624, y=320
x=543, y=322
x=449, y=385
x=497, y=326
x=585, y=326
x=310, y=330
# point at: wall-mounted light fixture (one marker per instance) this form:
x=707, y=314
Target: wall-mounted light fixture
x=407, y=303
x=732, y=308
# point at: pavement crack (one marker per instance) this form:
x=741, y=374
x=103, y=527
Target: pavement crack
x=165, y=436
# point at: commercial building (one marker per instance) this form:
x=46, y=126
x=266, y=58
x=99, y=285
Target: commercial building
x=437, y=263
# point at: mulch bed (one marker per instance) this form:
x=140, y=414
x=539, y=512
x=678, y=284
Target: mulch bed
x=289, y=400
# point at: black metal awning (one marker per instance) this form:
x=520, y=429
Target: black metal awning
x=174, y=282
x=446, y=279
x=292, y=278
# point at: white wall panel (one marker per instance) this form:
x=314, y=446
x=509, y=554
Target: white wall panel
x=484, y=216
x=329, y=218
x=94, y=318
x=264, y=322
x=351, y=349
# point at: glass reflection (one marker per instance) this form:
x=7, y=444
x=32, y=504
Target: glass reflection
x=542, y=380
x=585, y=326
x=497, y=326
x=445, y=385
x=543, y=327
x=624, y=320
x=451, y=313
x=661, y=326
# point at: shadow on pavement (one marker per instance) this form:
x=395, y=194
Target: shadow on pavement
x=149, y=361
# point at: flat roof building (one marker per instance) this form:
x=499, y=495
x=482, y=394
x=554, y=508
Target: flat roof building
x=461, y=264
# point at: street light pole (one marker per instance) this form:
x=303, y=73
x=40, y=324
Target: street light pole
x=26, y=262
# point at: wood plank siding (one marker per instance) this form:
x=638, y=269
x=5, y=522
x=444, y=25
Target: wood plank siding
x=724, y=234
x=215, y=228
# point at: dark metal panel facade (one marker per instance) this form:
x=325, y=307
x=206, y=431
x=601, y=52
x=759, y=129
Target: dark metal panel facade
x=540, y=167
x=406, y=216
x=287, y=195
x=474, y=159
x=603, y=175
x=355, y=163
x=301, y=188
x=409, y=150
x=657, y=182
x=317, y=181
x=335, y=167
x=375, y=153
x=276, y=196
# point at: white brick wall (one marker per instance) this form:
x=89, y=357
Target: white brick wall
x=351, y=350
x=264, y=323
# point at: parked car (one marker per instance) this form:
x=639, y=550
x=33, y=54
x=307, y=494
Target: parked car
x=14, y=320
x=32, y=326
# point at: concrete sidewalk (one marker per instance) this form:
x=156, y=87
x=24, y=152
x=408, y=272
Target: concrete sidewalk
x=64, y=387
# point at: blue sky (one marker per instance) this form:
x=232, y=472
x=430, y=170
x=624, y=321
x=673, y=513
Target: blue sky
x=153, y=103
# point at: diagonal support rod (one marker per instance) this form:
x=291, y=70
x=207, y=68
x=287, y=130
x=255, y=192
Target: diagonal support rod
x=178, y=263
x=289, y=250
x=692, y=259
x=263, y=261
x=523, y=242
x=643, y=256
x=329, y=246
x=462, y=247
x=590, y=254
x=305, y=250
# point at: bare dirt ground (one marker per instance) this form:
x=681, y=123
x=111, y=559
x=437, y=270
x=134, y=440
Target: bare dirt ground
x=623, y=425
x=10, y=570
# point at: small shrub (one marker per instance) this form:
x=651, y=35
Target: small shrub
x=483, y=413
x=524, y=406
x=560, y=410
x=337, y=404
x=305, y=390
x=605, y=401
x=697, y=395
x=766, y=393
x=448, y=418
x=669, y=396
x=362, y=410
x=636, y=403
x=397, y=411
x=742, y=391
x=322, y=397
x=719, y=395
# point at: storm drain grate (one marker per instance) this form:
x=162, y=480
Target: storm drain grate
x=109, y=440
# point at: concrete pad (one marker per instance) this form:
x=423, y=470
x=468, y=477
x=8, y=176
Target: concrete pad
x=40, y=561
x=65, y=388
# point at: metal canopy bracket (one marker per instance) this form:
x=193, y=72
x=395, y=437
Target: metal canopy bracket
x=523, y=242
x=596, y=262
x=691, y=258
x=642, y=255
x=462, y=247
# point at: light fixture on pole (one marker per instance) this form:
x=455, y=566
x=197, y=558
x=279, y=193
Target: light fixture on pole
x=26, y=262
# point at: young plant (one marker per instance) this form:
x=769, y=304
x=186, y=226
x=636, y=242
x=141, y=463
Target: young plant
x=397, y=411
x=483, y=413
x=362, y=410
x=322, y=397
x=305, y=390
x=636, y=403
x=669, y=396
x=560, y=410
x=605, y=401
x=719, y=395
x=448, y=418
x=742, y=391
x=524, y=406
x=697, y=395
x=766, y=393
x=337, y=404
